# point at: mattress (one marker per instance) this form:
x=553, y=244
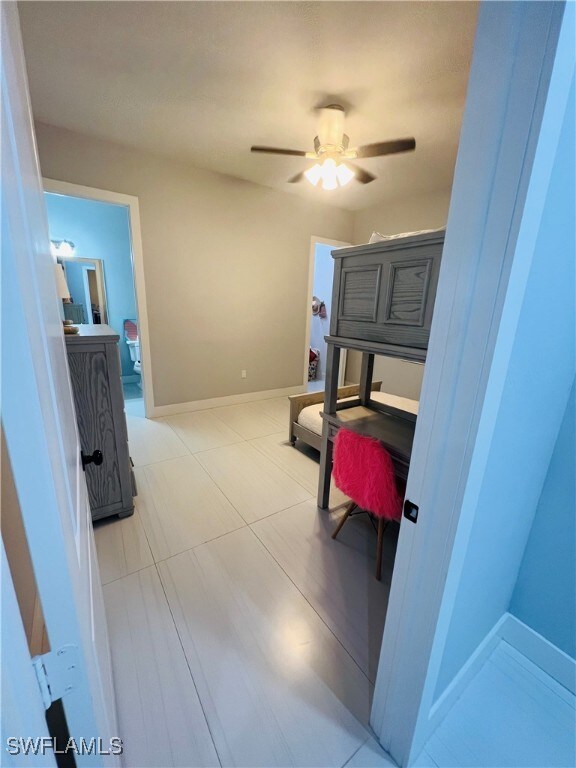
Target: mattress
x=310, y=418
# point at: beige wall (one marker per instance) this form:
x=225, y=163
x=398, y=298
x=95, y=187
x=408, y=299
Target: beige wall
x=398, y=377
x=225, y=262
x=429, y=211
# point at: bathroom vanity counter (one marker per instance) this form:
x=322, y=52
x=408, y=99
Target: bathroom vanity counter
x=103, y=332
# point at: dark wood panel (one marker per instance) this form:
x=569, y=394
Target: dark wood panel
x=407, y=293
x=92, y=397
x=360, y=292
x=400, y=335
x=378, y=348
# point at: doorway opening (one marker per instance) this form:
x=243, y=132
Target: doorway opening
x=318, y=310
x=100, y=269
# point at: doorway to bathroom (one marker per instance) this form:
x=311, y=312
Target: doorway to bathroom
x=92, y=238
x=319, y=307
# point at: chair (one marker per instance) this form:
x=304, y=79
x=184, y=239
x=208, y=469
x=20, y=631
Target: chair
x=363, y=470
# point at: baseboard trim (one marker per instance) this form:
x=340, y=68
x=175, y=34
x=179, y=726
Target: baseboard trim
x=524, y=639
x=218, y=402
x=540, y=651
x=476, y=661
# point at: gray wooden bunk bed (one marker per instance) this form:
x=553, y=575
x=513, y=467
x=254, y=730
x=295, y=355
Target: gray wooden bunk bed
x=382, y=304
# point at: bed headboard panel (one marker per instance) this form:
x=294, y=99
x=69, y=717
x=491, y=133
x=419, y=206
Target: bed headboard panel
x=384, y=293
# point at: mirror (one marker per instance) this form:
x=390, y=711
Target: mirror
x=85, y=280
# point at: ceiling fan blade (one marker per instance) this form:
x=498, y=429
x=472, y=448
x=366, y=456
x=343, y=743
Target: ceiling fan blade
x=297, y=178
x=361, y=175
x=386, y=148
x=277, y=151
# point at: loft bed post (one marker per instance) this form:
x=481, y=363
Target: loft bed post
x=330, y=402
x=366, y=373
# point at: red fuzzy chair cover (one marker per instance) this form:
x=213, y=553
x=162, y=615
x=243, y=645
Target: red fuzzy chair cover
x=363, y=470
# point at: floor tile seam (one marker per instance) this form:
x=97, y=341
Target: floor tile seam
x=356, y=751
x=271, y=419
x=163, y=419
x=540, y=676
x=310, y=496
x=129, y=624
x=216, y=417
x=127, y=575
x=175, y=624
x=222, y=491
x=162, y=461
x=200, y=544
x=312, y=607
x=160, y=419
x=278, y=464
x=155, y=561
x=530, y=690
x=221, y=420
x=280, y=467
x=218, y=447
x=277, y=511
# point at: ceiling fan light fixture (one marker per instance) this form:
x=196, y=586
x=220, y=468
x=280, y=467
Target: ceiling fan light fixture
x=344, y=174
x=329, y=174
x=331, y=125
x=331, y=151
x=314, y=174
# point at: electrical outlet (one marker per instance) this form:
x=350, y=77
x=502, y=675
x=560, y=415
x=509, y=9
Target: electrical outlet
x=243, y=374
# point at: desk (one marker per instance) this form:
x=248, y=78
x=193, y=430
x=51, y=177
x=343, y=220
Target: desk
x=394, y=428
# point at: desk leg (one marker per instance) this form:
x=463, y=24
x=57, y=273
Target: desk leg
x=325, y=469
x=366, y=374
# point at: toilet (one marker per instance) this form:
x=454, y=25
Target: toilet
x=133, y=342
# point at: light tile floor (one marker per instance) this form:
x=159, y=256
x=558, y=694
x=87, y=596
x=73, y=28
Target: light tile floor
x=511, y=714
x=241, y=633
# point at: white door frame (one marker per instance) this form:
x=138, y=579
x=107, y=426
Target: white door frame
x=130, y=202
x=19, y=691
x=515, y=56
x=40, y=428
x=87, y=295
x=314, y=241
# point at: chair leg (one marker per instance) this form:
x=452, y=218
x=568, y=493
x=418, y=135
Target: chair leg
x=381, y=527
x=349, y=509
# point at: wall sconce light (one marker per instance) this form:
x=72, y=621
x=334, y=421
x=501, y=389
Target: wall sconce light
x=62, y=248
x=61, y=283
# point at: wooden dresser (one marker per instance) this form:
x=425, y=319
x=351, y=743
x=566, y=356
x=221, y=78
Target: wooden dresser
x=382, y=304
x=94, y=362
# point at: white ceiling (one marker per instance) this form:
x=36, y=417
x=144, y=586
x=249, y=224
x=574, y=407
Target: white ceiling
x=203, y=81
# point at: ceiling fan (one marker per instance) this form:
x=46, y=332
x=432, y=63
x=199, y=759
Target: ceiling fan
x=332, y=167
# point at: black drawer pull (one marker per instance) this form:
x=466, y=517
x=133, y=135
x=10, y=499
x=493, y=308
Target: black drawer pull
x=94, y=458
